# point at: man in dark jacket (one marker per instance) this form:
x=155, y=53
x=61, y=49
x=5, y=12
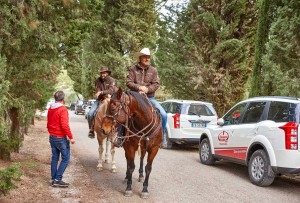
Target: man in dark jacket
x=143, y=78
x=105, y=85
x=60, y=138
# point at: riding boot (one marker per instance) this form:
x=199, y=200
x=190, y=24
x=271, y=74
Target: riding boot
x=91, y=134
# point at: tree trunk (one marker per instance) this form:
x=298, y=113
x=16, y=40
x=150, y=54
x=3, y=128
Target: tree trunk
x=4, y=154
x=14, y=115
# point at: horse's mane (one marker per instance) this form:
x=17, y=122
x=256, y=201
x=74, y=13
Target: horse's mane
x=142, y=101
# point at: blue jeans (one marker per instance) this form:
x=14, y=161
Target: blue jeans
x=59, y=146
x=92, y=111
x=91, y=115
x=162, y=112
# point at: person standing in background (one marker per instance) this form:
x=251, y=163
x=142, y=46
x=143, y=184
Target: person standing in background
x=60, y=138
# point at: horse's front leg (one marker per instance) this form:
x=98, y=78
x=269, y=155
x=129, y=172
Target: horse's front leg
x=141, y=170
x=113, y=161
x=100, y=150
x=130, y=169
x=151, y=155
x=108, y=146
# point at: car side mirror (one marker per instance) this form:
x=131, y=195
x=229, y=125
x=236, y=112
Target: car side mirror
x=220, y=121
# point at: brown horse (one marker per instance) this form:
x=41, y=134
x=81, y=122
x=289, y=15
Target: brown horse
x=101, y=137
x=143, y=132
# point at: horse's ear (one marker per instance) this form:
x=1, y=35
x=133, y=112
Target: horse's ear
x=119, y=93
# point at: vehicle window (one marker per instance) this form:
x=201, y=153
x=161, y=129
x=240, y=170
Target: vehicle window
x=234, y=116
x=282, y=112
x=174, y=108
x=165, y=105
x=254, y=112
x=199, y=109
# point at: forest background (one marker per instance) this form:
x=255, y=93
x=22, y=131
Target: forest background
x=220, y=51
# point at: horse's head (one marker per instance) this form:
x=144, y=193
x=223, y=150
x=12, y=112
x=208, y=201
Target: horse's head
x=117, y=112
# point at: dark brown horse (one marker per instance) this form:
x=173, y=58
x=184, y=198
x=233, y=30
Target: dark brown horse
x=143, y=132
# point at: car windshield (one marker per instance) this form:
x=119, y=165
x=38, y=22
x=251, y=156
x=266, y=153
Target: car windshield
x=199, y=110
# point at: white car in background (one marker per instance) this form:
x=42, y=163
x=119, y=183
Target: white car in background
x=186, y=120
x=51, y=101
x=88, y=106
x=261, y=133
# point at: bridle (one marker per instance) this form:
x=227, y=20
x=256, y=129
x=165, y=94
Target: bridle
x=143, y=133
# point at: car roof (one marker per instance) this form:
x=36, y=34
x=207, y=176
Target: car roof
x=274, y=98
x=187, y=101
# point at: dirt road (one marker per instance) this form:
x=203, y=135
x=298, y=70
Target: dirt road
x=177, y=176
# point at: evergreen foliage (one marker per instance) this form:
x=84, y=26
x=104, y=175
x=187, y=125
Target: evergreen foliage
x=7, y=178
x=213, y=46
x=126, y=26
x=265, y=19
x=30, y=37
x=282, y=59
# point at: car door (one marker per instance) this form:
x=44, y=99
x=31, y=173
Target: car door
x=223, y=138
x=248, y=128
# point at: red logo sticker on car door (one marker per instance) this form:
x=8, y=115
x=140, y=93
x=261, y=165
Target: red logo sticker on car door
x=223, y=136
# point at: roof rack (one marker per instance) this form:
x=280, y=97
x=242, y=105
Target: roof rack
x=279, y=97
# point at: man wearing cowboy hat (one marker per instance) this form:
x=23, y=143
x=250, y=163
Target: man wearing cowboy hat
x=105, y=86
x=143, y=78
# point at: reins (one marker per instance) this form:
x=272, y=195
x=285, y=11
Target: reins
x=129, y=133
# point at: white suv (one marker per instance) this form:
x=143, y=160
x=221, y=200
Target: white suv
x=186, y=120
x=261, y=133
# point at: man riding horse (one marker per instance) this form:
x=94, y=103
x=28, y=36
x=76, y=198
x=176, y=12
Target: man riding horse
x=104, y=85
x=143, y=78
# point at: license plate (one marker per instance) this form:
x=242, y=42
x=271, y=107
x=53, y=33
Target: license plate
x=198, y=125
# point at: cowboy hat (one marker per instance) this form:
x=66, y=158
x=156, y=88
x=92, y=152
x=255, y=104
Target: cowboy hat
x=143, y=52
x=104, y=69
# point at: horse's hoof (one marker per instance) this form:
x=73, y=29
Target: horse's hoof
x=145, y=195
x=141, y=179
x=99, y=169
x=128, y=193
x=106, y=161
x=125, y=180
x=113, y=170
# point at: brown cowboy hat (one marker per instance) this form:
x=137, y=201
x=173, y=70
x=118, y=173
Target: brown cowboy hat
x=104, y=69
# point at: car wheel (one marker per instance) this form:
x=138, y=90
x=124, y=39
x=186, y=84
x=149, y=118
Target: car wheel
x=259, y=169
x=167, y=143
x=205, y=154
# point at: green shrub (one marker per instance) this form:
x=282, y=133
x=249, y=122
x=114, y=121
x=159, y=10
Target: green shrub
x=8, y=176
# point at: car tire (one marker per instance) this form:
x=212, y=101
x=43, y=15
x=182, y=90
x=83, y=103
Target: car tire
x=205, y=153
x=167, y=143
x=260, y=170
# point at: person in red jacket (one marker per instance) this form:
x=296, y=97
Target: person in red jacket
x=60, y=138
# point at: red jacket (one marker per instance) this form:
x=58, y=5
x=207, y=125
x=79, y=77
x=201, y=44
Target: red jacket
x=58, y=121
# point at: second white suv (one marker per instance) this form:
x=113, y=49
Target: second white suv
x=186, y=120
x=261, y=133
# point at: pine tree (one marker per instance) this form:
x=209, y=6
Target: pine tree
x=30, y=38
x=282, y=59
x=214, y=44
x=265, y=19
